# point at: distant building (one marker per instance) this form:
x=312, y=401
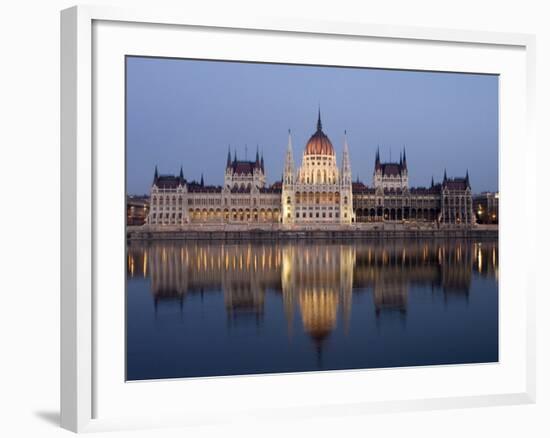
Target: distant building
x=486, y=207
x=317, y=193
x=137, y=210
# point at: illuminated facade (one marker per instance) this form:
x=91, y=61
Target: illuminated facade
x=244, y=197
x=392, y=200
x=318, y=193
x=486, y=207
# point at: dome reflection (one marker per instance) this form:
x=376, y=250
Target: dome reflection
x=313, y=281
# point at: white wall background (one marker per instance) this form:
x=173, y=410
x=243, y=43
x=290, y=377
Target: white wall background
x=29, y=213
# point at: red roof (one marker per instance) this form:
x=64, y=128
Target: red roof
x=391, y=169
x=319, y=144
x=275, y=188
x=393, y=191
x=244, y=167
x=359, y=187
x=425, y=190
x=456, y=184
x=240, y=190
x=195, y=187
x=169, y=182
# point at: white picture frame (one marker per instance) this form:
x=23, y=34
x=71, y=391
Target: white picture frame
x=82, y=373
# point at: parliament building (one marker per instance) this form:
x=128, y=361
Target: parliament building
x=318, y=193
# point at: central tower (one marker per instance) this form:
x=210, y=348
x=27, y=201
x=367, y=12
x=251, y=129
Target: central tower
x=318, y=192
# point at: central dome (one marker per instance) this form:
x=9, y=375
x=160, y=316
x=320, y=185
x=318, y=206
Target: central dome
x=319, y=143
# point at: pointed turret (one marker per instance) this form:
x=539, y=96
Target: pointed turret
x=404, y=158
x=156, y=176
x=319, y=124
x=346, y=166
x=202, y=180
x=445, y=176
x=432, y=182
x=257, y=156
x=377, y=159
x=262, y=162
x=228, y=164
x=467, y=178
x=289, y=162
x=181, y=173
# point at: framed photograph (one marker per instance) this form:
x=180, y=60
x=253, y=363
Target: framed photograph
x=257, y=208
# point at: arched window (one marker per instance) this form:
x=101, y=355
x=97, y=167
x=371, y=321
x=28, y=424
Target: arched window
x=288, y=200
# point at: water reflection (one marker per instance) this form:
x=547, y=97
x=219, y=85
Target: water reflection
x=315, y=281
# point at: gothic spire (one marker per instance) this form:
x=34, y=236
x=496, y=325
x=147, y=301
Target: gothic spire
x=445, y=175
x=346, y=165
x=467, y=178
x=288, y=176
x=404, y=158
x=156, y=173
x=228, y=156
x=432, y=181
x=181, y=173
x=202, y=180
x=319, y=124
x=257, y=155
x=262, y=162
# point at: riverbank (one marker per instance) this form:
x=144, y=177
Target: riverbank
x=275, y=232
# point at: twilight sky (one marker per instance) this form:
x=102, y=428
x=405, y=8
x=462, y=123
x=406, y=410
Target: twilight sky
x=186, y=113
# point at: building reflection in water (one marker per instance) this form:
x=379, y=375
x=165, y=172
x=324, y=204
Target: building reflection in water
x=314, y=280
